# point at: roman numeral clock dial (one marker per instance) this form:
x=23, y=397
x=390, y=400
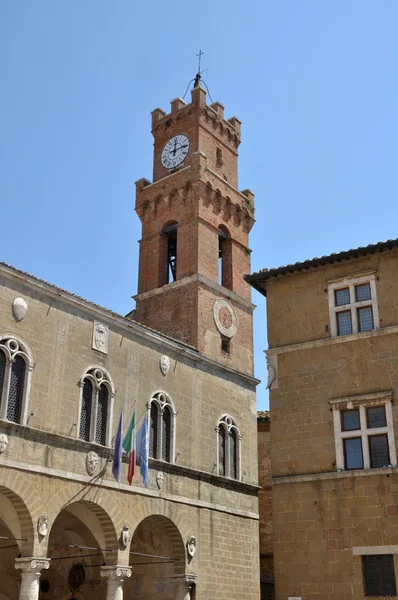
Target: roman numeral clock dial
x=175, y=151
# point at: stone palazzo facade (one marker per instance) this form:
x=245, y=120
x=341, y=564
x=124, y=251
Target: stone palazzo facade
x=184, y=360
x=333, y=378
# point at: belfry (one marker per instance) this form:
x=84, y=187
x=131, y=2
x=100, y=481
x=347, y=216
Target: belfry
x=195, y=225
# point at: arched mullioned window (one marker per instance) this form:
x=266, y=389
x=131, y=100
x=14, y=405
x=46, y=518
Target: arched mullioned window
x=96, y=406
x=16, y=366
x=228, y=448
x=162, y=427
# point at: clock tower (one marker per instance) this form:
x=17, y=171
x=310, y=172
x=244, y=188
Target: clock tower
x=195, y=226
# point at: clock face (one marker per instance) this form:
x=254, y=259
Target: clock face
x=175, y=151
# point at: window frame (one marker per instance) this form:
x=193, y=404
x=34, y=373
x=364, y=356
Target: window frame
x=363, y=403
x=229, y=425
x=91, y=373
x=163, y=402
x=381, y=593
x=13, y=346
x=353, y=306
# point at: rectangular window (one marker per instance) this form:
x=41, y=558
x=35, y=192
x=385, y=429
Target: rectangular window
x=353, y=306
x=378, y=451
x=342, y=296
x=350, y=420
x=365, y=318
x=376, y=416
x=353, y=453
x=344, y=324
x=362, y=292
x=364, y=432
x=379, y=575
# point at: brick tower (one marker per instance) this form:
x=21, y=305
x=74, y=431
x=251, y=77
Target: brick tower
x=195, y=226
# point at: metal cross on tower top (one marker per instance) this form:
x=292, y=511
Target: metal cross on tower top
x=200, y=57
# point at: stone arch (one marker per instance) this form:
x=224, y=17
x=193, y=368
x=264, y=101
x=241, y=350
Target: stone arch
x=15, y=489
x=360, y=376
x=175, y=513
x=172, y=533
x=105, y=511
x=375, y=531
x=82, y=536
x=157, y=557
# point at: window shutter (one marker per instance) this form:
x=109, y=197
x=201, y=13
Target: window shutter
x=17, y=381
x=85, y=416
x=166, y=434
x=102, y=412
x=153, y=431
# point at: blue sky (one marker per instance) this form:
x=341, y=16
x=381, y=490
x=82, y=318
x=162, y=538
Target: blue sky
x=314, y=82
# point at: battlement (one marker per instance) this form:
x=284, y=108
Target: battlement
x=198, y=100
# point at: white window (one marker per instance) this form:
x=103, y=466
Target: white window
x=16, y=366
x=363, y=428
x=228, y=448
x=162, y=427
x=353, y=306
x=96, y=407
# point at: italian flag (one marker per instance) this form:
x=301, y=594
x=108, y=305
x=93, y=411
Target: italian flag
x=129, y=447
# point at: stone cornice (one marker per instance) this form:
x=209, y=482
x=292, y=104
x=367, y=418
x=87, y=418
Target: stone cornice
x=364, y=399
x=342, y=339
x=133, y=489
x=198, y=278
x=308, y=477
x=63, y=442
x=116, y=321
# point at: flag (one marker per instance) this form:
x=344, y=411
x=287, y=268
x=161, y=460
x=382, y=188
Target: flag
x=129, y=446
x=143, y=450
x=117, y=455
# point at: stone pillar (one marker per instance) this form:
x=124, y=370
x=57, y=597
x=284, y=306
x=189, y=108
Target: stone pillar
x=185, y=585
x=115, y=576
x=30, y=576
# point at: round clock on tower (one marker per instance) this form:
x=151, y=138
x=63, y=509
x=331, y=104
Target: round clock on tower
x=195, y=226
x=175, y=151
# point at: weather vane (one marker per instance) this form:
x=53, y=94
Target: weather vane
x=198, y=76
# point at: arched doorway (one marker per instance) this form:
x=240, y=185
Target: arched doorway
x=157, y=558
x=81, y=541
x=16, y=539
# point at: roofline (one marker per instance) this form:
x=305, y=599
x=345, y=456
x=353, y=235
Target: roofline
x=256, y=278
x=120, y=321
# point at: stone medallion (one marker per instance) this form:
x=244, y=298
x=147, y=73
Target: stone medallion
x=125, y=537
x=191, y=547
x=42, y=525
x=164, y=364
x=160, y=479
x=19, y=309
x=92, y=460
x=225, y=317
x=3, y=442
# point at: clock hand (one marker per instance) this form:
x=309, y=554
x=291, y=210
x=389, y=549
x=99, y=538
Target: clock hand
x=175, y=147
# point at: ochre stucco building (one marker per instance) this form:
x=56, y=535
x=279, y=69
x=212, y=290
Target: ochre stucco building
x=265, y=505
x=333, y=374
x=184, y=359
